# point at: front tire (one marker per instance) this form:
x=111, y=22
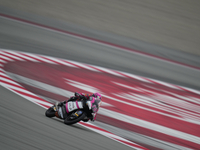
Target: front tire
x=68, y=121
x=50, y=112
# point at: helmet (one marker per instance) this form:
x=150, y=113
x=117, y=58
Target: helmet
x=97, y=95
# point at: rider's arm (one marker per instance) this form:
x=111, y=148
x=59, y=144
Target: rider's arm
x=82, y=95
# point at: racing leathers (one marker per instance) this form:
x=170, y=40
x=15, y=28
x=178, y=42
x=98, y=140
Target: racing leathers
x=91, y=104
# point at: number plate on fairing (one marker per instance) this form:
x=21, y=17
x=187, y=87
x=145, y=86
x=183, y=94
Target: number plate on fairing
x=71, y=106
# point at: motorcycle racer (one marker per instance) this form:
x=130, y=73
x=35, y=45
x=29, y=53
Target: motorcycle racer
x=91, y=104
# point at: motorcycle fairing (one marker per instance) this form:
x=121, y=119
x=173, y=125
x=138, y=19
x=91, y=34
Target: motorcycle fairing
x=73, y=105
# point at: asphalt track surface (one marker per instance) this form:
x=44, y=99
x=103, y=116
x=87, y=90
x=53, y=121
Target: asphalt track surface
x=173, y=24
x=23, y=124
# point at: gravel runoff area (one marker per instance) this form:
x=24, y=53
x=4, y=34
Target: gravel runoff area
x=169, y=23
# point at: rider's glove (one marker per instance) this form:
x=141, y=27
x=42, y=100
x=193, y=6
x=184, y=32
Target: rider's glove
x=83, y=97
x=60, y=104
x=73, y=98
x=76, y=94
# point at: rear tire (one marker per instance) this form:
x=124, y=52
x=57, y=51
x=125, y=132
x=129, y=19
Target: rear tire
x=50, y=112
x=69, y=122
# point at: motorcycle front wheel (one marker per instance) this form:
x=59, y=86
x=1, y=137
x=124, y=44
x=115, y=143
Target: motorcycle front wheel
x=72, y=120
x=50, y=112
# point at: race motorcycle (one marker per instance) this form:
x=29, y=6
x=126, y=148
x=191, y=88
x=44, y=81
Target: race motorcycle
x=72, y=111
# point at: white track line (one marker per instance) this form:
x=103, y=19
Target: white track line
x=143, y=123
x=99, y=42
